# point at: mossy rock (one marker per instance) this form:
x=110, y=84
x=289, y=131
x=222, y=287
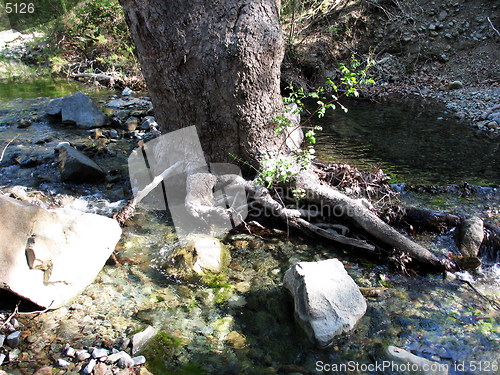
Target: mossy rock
x=159, y=352
x=205, y=258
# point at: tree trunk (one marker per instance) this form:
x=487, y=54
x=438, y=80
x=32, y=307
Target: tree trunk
x=215, y=65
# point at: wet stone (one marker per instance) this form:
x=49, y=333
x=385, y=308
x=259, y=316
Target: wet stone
x=90, y=367
x=62, y=363
x=139, y=360
x=99, y=353
x=14, y=354
x=125, y=362
x=82, y=355
x=14, y=339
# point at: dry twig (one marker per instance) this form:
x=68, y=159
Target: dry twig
x=7, y=145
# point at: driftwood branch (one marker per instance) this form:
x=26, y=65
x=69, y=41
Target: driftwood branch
x=7, y=145
x=493, y=27
x=102, y=77
x=128, y=211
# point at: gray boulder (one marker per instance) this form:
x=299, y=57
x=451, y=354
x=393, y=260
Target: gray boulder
x=54, y=107
x=470, y=235
x=49, y=256
x=77, y=167
x=327, y=300
x=79, y=109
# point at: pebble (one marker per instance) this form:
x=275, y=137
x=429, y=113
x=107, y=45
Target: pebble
x=90, y=367
x=44, y=371
x=70, y=352
x=99, y=353
x=62, y=363
x=113, y=358
x=125, y=361
x=2, y=339
x=127, y=91
x=139, y=360
x=141, y=338
x=14, y=339
x=100, y=369
x=2, y=358
x=14, y=354
x=82, y=355
x=455, y=85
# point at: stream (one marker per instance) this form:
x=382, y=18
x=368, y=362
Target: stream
x=242, y=322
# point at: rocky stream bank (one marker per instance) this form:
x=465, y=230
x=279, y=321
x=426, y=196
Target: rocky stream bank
x=238, y=321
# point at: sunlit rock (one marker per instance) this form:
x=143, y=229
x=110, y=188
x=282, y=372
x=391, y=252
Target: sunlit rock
x=49, y=256
x=327, y=300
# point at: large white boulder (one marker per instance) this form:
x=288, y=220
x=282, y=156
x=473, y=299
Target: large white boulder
x=327, y=300
x=49, y=256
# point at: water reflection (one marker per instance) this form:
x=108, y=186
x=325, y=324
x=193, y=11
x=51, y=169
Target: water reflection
x=413, y=141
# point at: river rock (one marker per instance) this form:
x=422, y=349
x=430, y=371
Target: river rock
x=139, y=360
x=77, y=167
x=408, y=363
x=327, y=300
x=99, y=353
x=210, y=254
x=127, y=91
x=54, y=107
x=148, y=123
x=62, y=363
x=44, y=371
x=24, y=123
x=79, y=109
x=14, y=339
x=470, y=235
x=131, y=124
x=82, y=355
x=125, y=361
x=455, y=85
x=141, y=338
x=49, y=256
x=87, y=370
x=2, y=358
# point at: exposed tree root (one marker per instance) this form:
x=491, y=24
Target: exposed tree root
x=354, y=211
x=200, y=203
x=320, y=194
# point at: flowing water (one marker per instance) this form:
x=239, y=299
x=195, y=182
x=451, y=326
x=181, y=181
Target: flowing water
x=242, y=322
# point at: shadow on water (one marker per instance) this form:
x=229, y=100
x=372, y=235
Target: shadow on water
x=413, y=141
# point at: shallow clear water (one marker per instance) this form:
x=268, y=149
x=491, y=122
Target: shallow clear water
x=415, y=142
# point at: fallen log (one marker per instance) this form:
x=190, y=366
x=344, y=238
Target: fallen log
x=320, y=193
x=422, y=219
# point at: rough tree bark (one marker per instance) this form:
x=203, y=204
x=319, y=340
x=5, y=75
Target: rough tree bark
x=215, y=64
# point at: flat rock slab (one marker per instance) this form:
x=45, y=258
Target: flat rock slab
x=327, y=300
x=49, y=256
